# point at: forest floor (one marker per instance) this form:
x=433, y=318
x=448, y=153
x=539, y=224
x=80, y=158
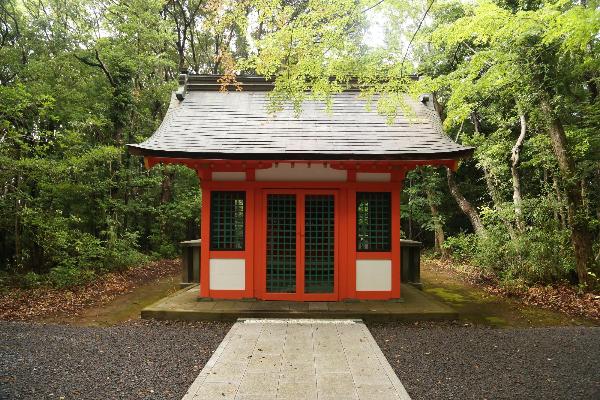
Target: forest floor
x=120, y=296
x=482, y=300
x=112, y=298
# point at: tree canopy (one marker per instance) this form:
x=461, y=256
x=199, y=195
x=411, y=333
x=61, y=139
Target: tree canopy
x=517, y=79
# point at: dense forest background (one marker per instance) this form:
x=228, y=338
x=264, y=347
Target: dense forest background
x=517, y=79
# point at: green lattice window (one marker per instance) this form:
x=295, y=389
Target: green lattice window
x=281, y=243
x=319, y=247
x=227, y=220
x=373, y=221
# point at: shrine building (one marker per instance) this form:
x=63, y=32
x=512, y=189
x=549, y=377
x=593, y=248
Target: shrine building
x=296, y=206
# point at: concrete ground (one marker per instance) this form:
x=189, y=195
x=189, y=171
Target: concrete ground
x=184, y=305
x=297, y=359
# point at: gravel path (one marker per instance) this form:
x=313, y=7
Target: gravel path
x=454, y=362
x=139, y=360
x=157, y=360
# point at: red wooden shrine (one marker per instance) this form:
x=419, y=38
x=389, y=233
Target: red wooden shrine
x=315, y=217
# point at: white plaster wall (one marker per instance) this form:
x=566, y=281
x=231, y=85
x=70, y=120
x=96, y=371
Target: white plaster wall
x=229, y=176
x=301, y=172
x=227, y=274
x=373, y=176
x=373, y=275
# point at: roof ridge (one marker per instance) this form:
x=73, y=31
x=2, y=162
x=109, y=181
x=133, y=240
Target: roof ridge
x=243, y=82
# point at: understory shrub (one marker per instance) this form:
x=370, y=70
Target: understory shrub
x=69, y=275
x=66, y=256
x=533, y=256
x=122, y=252
x=462, y=246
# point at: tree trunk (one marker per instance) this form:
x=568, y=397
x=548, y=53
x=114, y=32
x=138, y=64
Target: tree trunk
x=598, y=203
x=196, y=66
x=585, y=198
x=546, y=181
x=560, y=201
x=462, y=202
x=465, y=205
x=180, y=59
x=166, y=194
x=217, y=55
x=516, y=179
x=438, y=229
x=581, y=237
x=18, y=257
x=497, y=200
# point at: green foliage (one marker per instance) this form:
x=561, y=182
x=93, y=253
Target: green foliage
x=541, y=253
x=80, y=79
x=536, y=256
x=463, y=246
x=65, y=276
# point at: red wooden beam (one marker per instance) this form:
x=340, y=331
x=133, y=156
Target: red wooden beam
x=350, y=165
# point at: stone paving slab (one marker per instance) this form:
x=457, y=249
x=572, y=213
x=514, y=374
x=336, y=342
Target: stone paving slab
x=185, y=305
x=290, y=359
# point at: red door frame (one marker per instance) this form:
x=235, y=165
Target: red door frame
x=261, y=245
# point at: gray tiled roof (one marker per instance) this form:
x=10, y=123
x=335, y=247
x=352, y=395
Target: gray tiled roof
x=236, y=125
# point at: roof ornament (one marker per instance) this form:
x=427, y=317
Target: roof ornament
x=180, y=93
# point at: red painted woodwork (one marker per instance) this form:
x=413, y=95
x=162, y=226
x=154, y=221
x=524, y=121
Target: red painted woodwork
x=245, y=165
x=205, y=242
x=261, y=244
x=254, y=254
x=374, y=255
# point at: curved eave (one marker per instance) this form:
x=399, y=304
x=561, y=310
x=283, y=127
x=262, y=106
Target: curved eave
x=466, y=152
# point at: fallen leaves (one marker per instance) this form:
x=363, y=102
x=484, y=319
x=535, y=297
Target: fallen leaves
x=558, y=297
x=564, y=298
x=31, y=304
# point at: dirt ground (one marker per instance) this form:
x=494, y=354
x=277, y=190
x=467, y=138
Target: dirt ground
x=479, y=307
x=123, y=308
x=474, y=305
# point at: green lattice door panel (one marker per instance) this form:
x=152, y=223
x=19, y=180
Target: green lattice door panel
x=319, y=243
x=281, y=243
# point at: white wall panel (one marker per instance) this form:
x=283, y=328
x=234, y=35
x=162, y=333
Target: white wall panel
x=373, y=176
x=284, y=172
x=227, y=274
x=229, y=176
x=373, y=275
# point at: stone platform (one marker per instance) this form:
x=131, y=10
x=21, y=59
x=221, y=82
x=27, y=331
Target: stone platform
x=185, y=305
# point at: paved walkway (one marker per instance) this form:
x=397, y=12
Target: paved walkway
x=297, y=359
